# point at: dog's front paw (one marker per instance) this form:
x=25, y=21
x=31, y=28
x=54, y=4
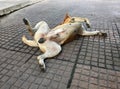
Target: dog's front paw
x=104, y=34
x=41, y=63
x=88, y=25
x=42, y=67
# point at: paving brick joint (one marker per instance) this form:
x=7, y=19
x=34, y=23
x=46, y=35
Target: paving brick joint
x=85, y=63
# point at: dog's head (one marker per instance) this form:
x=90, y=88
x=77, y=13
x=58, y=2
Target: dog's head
x=69, y=19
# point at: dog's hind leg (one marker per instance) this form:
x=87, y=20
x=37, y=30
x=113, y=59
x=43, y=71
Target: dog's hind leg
x=29, y=42
x=43, y=29
x=28, y=26
x=51, y=49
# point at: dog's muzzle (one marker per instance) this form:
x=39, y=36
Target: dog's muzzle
x=41, y=40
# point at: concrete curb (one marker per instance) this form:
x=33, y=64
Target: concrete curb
x=17, y=6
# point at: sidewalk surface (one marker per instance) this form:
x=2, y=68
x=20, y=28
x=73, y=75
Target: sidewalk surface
x=91, y=62
x=8, y=6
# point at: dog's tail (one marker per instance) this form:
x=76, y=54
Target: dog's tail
x=28, y=26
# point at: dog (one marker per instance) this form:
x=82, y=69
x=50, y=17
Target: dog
x=50, y=40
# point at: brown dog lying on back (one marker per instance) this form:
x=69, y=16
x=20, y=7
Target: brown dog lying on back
x=50, y=40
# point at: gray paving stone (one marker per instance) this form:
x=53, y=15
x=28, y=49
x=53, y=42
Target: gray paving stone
x=31, y=79
x=25, y=85
x=6, y=86
x=14, y=87
x=34, y=86
x=24, y=77
x=4, y=71
x=54, y=85
x=38, y=80
x=102, y=78
x=62, y=86
x=11, y=81
x=18, y=83
x=5, y=78
x=46, y=82
x=42, y=87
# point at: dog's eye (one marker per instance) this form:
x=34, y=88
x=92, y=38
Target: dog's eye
x=72, y=20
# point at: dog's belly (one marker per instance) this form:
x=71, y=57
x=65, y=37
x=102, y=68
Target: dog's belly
x=64, y=33
x=71, y=38
x=65, y=36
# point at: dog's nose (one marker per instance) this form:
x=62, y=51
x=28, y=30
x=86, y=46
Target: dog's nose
x=41, y=40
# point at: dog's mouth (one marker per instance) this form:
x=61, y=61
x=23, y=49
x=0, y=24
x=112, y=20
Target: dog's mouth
x=42, y=40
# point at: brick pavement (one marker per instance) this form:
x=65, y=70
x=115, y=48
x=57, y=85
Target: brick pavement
x=86, y=63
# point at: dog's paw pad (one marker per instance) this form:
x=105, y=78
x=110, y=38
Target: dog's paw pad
x=88, y=25
x=43, y=69
x=104, y=34
x=25, y=21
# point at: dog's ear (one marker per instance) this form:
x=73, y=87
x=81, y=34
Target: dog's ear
x=66, y=16
x=66, y=19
